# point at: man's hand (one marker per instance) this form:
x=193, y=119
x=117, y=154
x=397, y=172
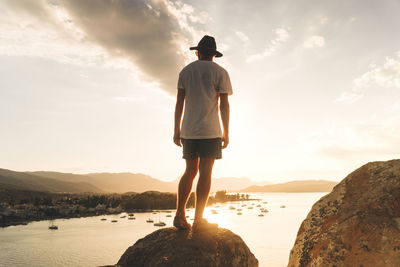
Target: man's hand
x=177, y=139
x=225, y=140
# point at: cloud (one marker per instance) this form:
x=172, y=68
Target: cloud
x=314, y=41
x=385, y=76
x=348, y=97
x=243, y=37
x=372, y=138
x=282, y=37
x=53, y=37
x=154, y=35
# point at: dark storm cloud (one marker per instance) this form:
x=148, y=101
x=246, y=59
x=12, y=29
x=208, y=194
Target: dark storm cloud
x=145, y=33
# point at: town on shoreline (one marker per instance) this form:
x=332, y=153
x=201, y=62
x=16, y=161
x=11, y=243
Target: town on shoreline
x=19, y=207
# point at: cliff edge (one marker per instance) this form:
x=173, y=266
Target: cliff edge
x=357, y=224
x=172, y=247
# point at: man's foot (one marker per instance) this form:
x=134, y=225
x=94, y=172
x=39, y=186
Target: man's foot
x=200, y=225
x=181, y=223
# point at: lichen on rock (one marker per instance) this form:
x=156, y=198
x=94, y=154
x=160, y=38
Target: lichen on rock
x=357, y=224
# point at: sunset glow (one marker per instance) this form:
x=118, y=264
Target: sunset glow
x=316, y=85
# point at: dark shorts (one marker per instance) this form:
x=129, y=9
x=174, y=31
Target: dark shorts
x=203, y=148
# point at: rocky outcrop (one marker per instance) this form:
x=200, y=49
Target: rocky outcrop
x=357, y=224
x=172, y=247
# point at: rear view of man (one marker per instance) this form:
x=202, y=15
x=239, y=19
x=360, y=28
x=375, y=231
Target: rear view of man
x=200, y=85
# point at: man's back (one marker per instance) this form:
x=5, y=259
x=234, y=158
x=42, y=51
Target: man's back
x=202, y=81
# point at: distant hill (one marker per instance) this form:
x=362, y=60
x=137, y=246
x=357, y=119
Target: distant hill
x=294, y=186
x=137, y=182
x=134, y=182
x=232, y=184
x=65, y=177
x=28, y=181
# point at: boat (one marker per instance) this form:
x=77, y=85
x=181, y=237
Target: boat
x=131, y=218
x=265, y=202
x=160, y=223
x=123, y=216
x=169, y=215
x=52, y=226
x=283, y=206
x=260, y=215
x=258, y=206
x=214, y=212
x=103, y=219
x=264, y=210
x=232, y=208
x=114, y=221
x=239, y=209
x=149, y=220
x=250, y=208
x=239, y=213
x=131, y=214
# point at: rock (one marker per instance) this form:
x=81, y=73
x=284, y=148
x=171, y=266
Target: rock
x=172, y=247
x=357, y=224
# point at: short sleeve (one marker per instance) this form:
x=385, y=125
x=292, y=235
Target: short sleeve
x=180, y=81
x=224, y=85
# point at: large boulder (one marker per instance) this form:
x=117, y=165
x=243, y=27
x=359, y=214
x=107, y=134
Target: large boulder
x=172, y=247
x=357, y=224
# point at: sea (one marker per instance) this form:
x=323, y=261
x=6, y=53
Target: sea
x=90, y=241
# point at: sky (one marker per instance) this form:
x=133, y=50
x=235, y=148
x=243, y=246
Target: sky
x=90, y=86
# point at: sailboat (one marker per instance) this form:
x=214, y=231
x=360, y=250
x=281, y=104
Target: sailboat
x=160, y=223
x=52, y=226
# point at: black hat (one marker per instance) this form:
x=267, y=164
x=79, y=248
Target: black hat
x=207, y=43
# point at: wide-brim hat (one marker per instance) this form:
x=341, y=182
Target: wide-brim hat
x=207, y=43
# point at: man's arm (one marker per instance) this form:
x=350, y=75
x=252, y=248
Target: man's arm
x=180, y=99
x=224, y=108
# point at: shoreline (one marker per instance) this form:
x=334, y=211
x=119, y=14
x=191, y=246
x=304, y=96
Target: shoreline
x=26, y=221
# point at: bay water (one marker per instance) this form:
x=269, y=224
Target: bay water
x=89, y=241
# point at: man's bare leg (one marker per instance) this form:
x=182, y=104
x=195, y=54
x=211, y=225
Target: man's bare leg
x=184, y=188
x=203, y=186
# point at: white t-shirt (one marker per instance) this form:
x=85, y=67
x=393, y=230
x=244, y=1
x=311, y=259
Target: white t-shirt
x=202, y=81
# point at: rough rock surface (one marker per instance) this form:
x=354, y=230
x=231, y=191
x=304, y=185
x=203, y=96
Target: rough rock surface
x=172, y=247
x=357, y=224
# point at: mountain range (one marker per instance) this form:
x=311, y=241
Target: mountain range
x=58, y=182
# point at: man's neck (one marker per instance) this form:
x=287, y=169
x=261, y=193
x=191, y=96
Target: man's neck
x=206, y=58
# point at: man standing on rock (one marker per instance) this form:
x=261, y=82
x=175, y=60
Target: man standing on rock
x=200, y=85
